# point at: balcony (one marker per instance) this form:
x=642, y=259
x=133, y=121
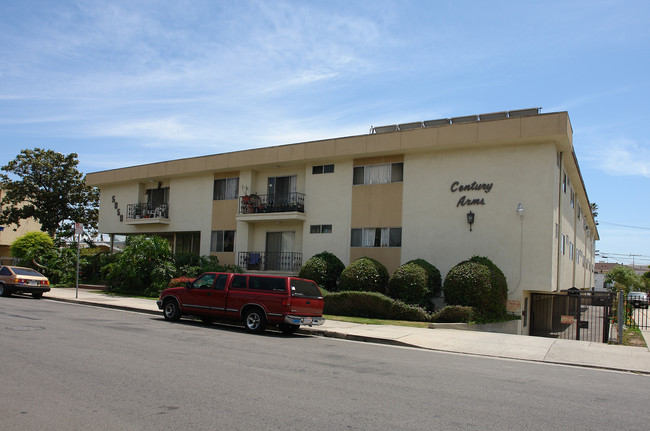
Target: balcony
x=270, y=261
x=147, y=213
x=286, y=206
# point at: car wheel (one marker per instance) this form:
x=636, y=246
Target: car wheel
x=171, y=310
x=254, y=320
x=4, y=291
x=37, y=295
x=288, y=329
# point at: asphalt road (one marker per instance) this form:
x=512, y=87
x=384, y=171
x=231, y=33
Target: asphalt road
x=72, y=367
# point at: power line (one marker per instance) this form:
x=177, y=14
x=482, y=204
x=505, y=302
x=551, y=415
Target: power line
x=623, y=225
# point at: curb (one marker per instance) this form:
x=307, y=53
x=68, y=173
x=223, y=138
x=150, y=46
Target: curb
x=95, y=304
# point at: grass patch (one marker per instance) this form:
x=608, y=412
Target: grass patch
x=633, y=337
x=369, y=321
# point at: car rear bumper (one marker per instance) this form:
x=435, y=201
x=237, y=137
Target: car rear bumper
x=304, y=320
x=24, y=288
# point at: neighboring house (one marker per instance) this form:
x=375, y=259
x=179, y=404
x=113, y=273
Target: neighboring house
x=602, y=268
x=505, y=185
x=9, y=233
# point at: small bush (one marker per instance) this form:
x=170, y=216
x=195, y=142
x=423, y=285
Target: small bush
x=499, y=286
x=470, y=283
x=409, y=284
x=455, y=314
x=372, y=305
x=325, y=269
x=364, y=275
x=434, y=280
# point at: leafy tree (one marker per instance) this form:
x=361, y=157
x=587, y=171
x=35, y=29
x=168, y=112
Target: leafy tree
x=51, y=190
x=645, y=278
x=623, y=278
x=594, y=211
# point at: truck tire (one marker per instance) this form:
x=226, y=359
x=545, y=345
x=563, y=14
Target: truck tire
x=288, y=329
x=171, y=310
x=254, y=320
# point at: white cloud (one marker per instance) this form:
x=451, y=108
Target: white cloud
x=622, y=157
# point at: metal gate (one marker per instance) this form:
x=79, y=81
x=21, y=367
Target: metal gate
x=572, y=315
x=636, y=312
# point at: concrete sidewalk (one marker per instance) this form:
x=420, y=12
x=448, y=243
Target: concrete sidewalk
x=538, y=349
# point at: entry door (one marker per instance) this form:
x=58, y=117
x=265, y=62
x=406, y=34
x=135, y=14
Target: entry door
x=281, y=191
x=279, y=250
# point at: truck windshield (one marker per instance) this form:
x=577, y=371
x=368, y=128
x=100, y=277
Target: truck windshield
x=304, y=288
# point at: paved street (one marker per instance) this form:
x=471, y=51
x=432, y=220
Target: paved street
x=68, y=366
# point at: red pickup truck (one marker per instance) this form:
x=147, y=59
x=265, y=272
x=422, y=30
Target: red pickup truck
x=257, y=300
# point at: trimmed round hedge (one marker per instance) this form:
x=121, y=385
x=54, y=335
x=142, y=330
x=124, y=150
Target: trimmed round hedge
x=434, y=280
x=372, y=305
x=325, y=269
x=409, y=284
x=471, y=284
x=364, y=275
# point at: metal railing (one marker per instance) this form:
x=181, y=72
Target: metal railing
x=270, y=261
x=573, y=315
x=147, y=210
x=253, y=204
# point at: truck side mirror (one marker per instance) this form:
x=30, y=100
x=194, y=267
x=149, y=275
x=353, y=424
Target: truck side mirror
x=188, y=284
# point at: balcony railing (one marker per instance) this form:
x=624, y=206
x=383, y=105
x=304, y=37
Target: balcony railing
x=270, y=261
x=145, y=210
x=252, y=204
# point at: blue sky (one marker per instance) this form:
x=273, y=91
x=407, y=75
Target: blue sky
x=123, y=83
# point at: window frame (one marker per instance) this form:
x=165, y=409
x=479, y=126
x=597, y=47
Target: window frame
x=215, y=241
x=395, y=174
x=381, y=237
x=226, y=196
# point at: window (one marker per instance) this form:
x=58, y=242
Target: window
x=271, y=284
x=238, y=282
x=322, y=169
x=222, y=240
x=573, y=199
x=225, y=189
x=157, y=197
x=204, y=282
x=564, y=183
x=378, y=174
x=563, y=244
x=376, y=237
x=320, y=228
x=221, y=282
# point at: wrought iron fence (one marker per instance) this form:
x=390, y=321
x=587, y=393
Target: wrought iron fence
x=636, y=311
x=573, y=315
x=147, y=210
x=270, y=261
x=252, y=204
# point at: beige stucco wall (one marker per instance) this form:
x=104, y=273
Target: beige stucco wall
x=436, y=228
x=328, y=202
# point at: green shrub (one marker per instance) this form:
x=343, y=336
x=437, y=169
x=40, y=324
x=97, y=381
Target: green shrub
x=143, y=267
x=409, y=284
x=372, y=305
x=470, y=283
x=364, y=275
x=325, y=269
x=455, y=314
x=434, y=280
x=32, y=246
x=499, y=286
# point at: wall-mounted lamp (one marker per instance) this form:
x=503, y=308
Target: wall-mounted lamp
x=470, y=220
x=520, y=210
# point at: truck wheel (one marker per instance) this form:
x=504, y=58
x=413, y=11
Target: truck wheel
x=37, y=295
x=171, y=310
x=254, y=320
x=288, y=329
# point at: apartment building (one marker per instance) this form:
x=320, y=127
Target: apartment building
x=504, y=185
